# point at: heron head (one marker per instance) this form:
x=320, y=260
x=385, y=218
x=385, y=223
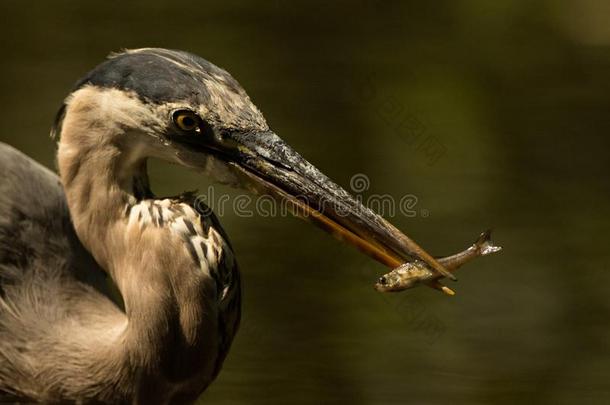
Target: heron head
x=178, y=107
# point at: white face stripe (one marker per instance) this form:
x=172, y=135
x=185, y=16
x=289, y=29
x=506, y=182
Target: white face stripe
x=113, y=107
x=120, y=112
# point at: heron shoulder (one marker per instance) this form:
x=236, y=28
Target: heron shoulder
x=193, y=224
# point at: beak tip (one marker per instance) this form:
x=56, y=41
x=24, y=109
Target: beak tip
x=448, y=290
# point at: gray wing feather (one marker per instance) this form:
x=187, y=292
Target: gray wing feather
x=45, y=273
x=35, y=225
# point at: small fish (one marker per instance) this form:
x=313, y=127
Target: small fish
x=410, y=274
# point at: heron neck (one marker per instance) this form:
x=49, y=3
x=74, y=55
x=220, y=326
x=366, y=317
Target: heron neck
x=164, y=301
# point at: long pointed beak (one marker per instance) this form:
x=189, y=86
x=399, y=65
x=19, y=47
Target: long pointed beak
x=270, y=166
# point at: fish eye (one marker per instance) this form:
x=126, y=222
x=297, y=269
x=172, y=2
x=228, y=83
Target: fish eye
x=383, y=280
x=186, y=120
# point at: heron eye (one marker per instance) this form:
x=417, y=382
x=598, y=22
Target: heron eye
x=382, y=280
x=186, y=120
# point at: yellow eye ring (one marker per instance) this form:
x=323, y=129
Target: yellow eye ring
x=186, y=120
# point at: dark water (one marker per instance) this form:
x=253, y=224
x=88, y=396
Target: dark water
x=491, y=115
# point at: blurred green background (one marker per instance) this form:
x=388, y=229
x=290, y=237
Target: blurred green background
x=515, y=96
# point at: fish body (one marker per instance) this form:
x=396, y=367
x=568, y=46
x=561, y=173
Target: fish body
x=410, y=274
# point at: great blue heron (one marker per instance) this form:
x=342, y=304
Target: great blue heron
x=63, y=336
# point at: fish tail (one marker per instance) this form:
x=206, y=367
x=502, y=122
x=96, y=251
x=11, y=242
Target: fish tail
x=485, y=245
